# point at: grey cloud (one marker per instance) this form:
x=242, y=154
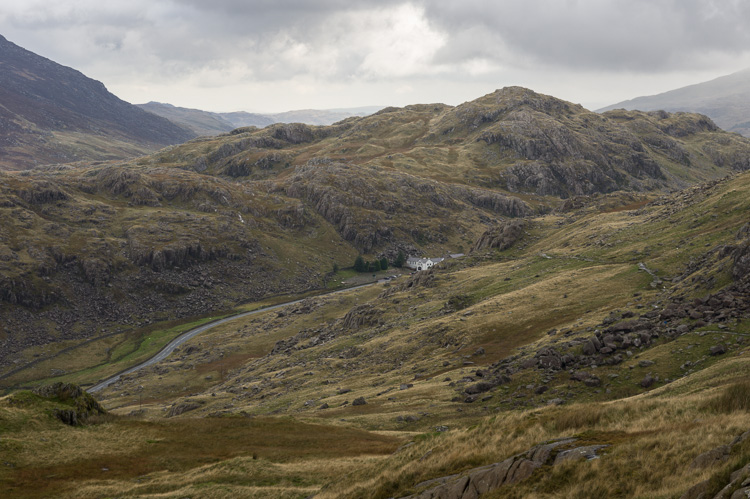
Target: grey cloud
x=158, y=43
x=635, y=35
x=639, y=35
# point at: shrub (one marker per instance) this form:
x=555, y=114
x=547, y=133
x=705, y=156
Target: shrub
x=359, y=264
x=400, y=260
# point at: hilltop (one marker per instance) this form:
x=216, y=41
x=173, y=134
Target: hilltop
x=54, y=114
x=513, y=140
x=725, y=100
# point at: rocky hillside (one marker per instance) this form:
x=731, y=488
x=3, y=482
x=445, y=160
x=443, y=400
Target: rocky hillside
x=54, y=114
x=597, y=329
x=592, y=336
x=95, y=250
x=725, y=100
x=566, y=354
x=91, y=251
x=512, y=140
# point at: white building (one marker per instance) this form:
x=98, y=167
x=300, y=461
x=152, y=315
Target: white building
x=422, y=263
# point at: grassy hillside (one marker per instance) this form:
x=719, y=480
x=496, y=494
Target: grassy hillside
x=600, y=302
x=486, y=360
x=91, y=252
x=53, y=114
x=513, y=140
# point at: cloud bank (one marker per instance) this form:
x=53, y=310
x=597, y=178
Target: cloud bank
x=276, y=55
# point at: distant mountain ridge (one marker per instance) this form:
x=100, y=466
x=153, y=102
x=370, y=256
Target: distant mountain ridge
x=726, y=100
x=51, y=113
x=209, y=123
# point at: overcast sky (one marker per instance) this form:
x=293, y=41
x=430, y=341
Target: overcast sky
x=278, y=55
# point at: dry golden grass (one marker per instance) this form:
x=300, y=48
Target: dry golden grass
x=123, y=456
x=651, y=442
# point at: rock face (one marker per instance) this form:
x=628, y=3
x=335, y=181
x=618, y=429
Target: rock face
x=182, y=408
x=502, y=237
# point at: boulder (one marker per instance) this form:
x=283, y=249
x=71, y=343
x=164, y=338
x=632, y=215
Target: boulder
x=593, y=381
x=718, y=349
x=589, y=348
x=647, y=381
x=580, y=376
x=178, y=409
x=711, y=458
x=550, y=362
x=481, y=387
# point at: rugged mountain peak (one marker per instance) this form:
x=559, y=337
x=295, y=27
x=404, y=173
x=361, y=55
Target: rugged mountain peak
x=515, y=98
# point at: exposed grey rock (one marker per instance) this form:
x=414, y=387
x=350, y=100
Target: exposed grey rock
x=183, y=408
x=697, y=491
x=481, y=387
x=589, y=348
x=588, y=452
x=488, y=478
x=647, y=381
x=711, y=457
x=592, y=381
x=501, y=237
x=718, y=349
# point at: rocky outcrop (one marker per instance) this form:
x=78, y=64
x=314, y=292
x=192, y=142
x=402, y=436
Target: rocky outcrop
x=739, y=481
x=78, y=406
x=515, y=469
x=496, y=202
x=42, y=192
x=501, y=237
x=183, y=407
x=741, y=254
x=362, y=315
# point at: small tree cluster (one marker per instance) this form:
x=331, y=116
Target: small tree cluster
x=400, y=260
x=362, y=265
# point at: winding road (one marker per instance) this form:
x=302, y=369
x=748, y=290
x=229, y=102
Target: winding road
x=170, y=347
